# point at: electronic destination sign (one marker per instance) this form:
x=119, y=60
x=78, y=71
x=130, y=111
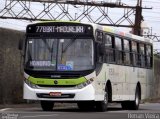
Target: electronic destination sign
x=60, y=28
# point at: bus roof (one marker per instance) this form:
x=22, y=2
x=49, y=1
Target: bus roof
x=108, y=29
x=113, y=30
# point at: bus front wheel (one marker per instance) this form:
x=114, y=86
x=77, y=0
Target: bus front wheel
x=102, y=105
x=47, y=105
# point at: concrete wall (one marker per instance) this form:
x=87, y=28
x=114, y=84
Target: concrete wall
x=156, y=83
x=11, y=77
x=10, y=73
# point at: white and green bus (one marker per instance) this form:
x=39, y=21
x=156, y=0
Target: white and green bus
x=86, y=63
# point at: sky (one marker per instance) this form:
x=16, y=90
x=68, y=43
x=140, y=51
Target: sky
x=151, y=16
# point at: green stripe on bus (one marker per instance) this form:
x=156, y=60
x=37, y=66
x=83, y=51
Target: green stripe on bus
x=44, y=81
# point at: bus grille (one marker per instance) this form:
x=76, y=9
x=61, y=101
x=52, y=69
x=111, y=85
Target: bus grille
x=57, y=86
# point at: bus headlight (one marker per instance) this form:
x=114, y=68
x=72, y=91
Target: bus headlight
x=85, y=83
x=29, y=83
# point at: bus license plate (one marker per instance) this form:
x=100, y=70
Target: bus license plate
x=55, y=93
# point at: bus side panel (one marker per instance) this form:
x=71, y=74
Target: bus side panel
x=124, y=80
x=138, y=75
x=130, y=78
x=118, y=81
x=149, y=78
x=99, y=84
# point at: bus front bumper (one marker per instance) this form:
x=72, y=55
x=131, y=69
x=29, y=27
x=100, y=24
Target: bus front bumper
x=84, y=94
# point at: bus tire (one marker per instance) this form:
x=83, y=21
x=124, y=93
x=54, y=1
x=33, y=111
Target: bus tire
x=102, y=105
x=85, y=105
x=47, y=105
x=132, y=105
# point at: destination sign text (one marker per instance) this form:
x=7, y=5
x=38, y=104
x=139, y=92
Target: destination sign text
x=60, y=29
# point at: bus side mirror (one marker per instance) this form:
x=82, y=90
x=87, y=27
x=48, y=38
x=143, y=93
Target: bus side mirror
x=20, y=44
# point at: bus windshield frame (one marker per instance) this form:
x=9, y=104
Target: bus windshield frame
x=84, y=43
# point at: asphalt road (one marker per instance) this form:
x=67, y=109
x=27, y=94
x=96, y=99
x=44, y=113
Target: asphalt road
x=146, y=111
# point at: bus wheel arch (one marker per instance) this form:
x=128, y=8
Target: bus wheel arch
x=102, y=105
x=108, y=88
x=135, y=104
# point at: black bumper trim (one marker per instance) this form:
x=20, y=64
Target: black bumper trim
x=45, y=95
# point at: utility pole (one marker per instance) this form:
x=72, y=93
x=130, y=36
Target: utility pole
x=66, y=9
x=138, y=19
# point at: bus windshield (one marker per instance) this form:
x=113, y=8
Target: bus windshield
x=59, y=54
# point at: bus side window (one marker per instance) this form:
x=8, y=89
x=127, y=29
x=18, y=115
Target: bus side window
x=126, y=52
x=119, y=52
x=134, y=53
x=109, y=51
x=148, y=56
x=141, y=55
